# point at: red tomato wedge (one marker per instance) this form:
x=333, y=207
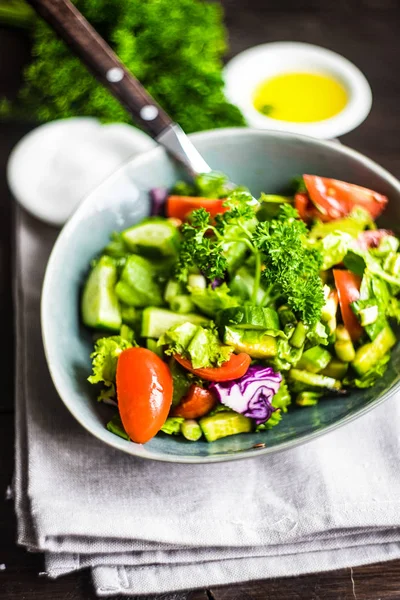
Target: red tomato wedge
x=234, y=368
x=144, y=391
x=348, y=288
x=306, y=209
x=335, y=199
x=372, y=238
x=197, y=403
x=180, y=207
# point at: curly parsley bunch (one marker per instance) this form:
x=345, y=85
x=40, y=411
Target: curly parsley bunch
x=173, y=48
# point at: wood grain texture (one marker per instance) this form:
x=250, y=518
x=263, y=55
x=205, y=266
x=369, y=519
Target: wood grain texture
x=69, y=23
x=366, y=31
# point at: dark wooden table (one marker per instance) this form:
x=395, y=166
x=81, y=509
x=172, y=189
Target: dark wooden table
x=367, y=32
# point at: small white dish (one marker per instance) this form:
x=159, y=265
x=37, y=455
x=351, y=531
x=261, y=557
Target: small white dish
x=249, y=68
x=55, y=166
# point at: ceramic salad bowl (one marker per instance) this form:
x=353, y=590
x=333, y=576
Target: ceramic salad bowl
x=262, y=161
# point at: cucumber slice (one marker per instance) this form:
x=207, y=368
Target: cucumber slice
x=314, y=359
x=99, y=304
x=336, y=369
x=138, y=286
x=224, y=424
x=152, y=345
x=191, y=430
x=368, y=355
x=154, y=237
x=255, y=343
x=250, y=317
x=303, y=380
x=156, y=321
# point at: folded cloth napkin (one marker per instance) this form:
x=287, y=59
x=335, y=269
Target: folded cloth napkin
x=148, y=527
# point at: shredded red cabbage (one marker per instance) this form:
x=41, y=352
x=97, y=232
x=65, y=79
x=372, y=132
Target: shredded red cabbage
x=252, y=394
x=216, y=282
x=158, y=197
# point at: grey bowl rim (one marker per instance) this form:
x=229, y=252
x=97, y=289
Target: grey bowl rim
x=139, y=450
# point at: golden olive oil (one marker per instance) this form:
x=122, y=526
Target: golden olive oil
x=300, y=97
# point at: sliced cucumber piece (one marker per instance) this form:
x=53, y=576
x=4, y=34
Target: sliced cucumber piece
x=336, y=369
x=138, y=286
x=224, y=424
x=368, y=355
x=314, y=359
x=156, y=321
x=99, y=304
x=182, y=304
x=255, y=343
x=191, y=430
x=172, y=289
x=152, y=345
x=250, y=317
x=301, y=380
x=154, y=237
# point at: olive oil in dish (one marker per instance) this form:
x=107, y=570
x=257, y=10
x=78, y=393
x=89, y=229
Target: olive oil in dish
x=300, y=97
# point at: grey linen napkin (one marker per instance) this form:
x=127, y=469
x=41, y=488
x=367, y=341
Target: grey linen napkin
x=145, y=527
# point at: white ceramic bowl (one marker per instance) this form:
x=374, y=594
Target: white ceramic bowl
x=249, y=68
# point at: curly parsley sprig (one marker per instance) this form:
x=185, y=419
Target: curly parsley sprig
x=282, y=259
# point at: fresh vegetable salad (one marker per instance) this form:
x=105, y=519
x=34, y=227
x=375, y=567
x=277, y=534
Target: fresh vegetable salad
x=217, y=312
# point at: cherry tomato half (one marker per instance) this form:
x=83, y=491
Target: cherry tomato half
x=144, y=390
x=180, y=207
x=234, y=368
x=197, y=403
x=348, y=288
x=335, y=199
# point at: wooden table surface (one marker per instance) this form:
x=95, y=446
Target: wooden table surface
x=367, y=32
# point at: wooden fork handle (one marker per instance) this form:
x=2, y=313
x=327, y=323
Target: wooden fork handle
x=97, y=55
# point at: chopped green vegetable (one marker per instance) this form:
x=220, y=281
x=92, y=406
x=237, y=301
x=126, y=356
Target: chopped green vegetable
x=116, y=427
x=201, y=346
x=369, y=355
x=191, y=430
x=210, y=301
x=336, y=369
x=223, y=424
x=300, y=379
x=352, y=225
x=104, y=363
x=254, y=342
x=333, y=248
x=291, y=268
x=270, y=205
x=156, y=321
x=153, y=237
x=172, y=426
x=299, y=335
x=138, y=286
x=308, y=398
x=371, y=376
x=99, y=303
x=182, y=304
x=182, y=380
x=314, y=359
x=250, y=317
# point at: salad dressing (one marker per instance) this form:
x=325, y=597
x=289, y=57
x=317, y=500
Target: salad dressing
x=300, y=97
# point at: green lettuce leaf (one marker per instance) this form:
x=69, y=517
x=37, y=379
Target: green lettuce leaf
x=211, y=301
x=105, y=358
x=201, y=346
x=172, y=425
